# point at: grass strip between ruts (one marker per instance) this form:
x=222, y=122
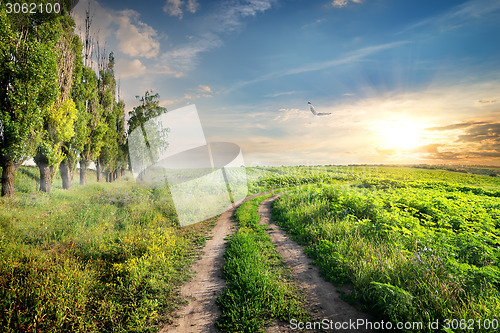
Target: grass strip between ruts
x=259, y=285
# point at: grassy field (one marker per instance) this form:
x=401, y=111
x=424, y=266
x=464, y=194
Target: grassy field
x=105, y=257
x=418, y=245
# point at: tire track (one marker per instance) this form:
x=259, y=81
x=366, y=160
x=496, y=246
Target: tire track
x=200, y=314
x=324, y=300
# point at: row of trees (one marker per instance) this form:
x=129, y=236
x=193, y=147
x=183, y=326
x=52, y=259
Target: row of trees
x=54, y=107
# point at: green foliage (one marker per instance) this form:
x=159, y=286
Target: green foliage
x=90, y=126
x=146, y=135
x=418, y=245
x=263, y=179
x=84, y=90
x=258, y=286
x=122, y=155
x=72, y=146
x=91, y=259
x=148, y=109
x=60, y=119
x=28, y=81
x=113, y=154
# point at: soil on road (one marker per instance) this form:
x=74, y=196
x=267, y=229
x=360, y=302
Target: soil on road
x=323, y=297
x=200, y=314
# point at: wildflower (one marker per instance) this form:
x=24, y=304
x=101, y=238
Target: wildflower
x=418, y=258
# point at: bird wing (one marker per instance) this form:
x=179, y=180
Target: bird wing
x=311, y=107
x=324, y=114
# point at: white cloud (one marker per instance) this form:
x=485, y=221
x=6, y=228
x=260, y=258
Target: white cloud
x=175, y=7
x=283, y=93
x=285, y=114
x=344, y=3
x=460, y=15
x=201, y=91
x=473, y=10
x=193, y=6
x=313, y=23
x=167, y=102
x=137, y=39
x=167, y=70
x=129, y=69
x=185, y=57
x=100, y=19
x=231, y=15
x=205, y=89
x=339, y=3
x=227, y=18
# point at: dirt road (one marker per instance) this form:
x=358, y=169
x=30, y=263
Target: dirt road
x=202, y=312
x=204, y=289
x=324, y=300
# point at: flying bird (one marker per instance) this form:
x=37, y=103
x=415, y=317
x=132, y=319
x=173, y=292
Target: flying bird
x=311, y=107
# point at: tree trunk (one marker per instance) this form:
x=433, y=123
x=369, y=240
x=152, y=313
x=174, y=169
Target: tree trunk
x=115, y=175
x=8, y=172
x=65, y=170
x=45, y=172
x=72, y=165
x=98, y=169
x=83, y=172
x=45, y=177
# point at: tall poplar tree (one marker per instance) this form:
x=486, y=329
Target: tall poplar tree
x=91, y=127
x=107, y=101
x=72, y=147
x=28, y=86
x=138, y=123
x=59, y=121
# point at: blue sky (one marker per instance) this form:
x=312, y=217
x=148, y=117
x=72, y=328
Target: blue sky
x=405, y=81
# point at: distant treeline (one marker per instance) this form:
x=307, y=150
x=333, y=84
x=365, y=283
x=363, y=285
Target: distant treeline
x=58, y=100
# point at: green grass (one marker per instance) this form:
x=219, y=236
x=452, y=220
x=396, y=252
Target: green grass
x=418, y=245
x=105, y=257
x=259, y=286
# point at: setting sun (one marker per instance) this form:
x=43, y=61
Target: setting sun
x=402, y=135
